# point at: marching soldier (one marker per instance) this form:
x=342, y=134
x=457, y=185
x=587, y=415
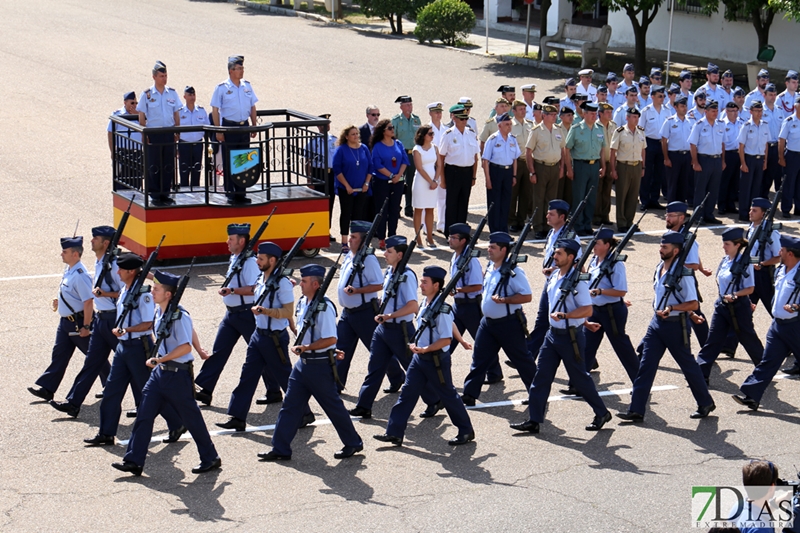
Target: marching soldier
x=500, y=155
x=543, y=154
x=406, y=125
x=314, y=374
x=628, y=149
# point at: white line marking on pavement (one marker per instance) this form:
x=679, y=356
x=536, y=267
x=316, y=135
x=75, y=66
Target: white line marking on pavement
x=325, y=421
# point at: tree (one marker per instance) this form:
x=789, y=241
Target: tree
x=543, y=9
x=393, y=10
x=760, y=12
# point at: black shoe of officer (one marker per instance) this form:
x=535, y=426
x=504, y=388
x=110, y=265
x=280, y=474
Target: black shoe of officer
x=233, y=423
x=630, y=416
x=703, y=411
x=203, y=396
x=100, y=440
x=727, y=353
x=529, y=425
x=307, y=420
x=274, y=397
x=458, y=440
x=66, y=407
x=127, y=466
x=469, y=401
x=98, y=395
x=174, y=436
x=432, y=410
x=391, y=439
x=570, y=391
x=361, y=412
x=392, y=389
x=348, y=451
x=131, y=413
x=598, y=422
x=202, y=469
x=793, y=370
x=41, y=392
x=510, y=363
x=272, y=455
x=747, y=401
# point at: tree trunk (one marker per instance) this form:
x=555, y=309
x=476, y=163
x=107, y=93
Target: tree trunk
x=391, y=23
x=640, y=47
x=399, y=23
x=544, y=8
x=762, y=26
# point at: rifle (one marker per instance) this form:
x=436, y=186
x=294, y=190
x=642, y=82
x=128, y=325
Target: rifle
x=514, y=257
x=172, y=313
x=130, y=301
x=767, y=225
x=672, y=281
x=281, y=269
x=398, y=277
x=248, y=251
x=366, y=246
x=469, y=250
x=568, y=232
x=607, y=266
x=317, y=304
x=113, y=247
x=697, y=213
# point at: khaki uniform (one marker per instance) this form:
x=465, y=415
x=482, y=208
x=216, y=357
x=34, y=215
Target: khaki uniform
x=489, y=127
x=603, y=209
x=546, y=148
x=628, y=146
x=522, y=192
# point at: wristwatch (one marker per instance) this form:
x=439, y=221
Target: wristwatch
x=85, y=327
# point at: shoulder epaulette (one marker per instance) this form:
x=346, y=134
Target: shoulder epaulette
x=621, y=128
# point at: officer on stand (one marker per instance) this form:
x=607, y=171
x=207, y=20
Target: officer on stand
x=430, y=366
x=565, y=343
x=314, y=374
x=190, y=145
x=320, y=168
x=406, y=124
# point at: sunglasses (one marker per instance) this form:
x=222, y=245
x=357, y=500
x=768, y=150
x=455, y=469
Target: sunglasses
x=374, y=114
x=390, y=128
x=429, y=134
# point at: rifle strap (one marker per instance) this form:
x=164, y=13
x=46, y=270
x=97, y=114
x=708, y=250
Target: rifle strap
x=278, y=348
x=612, y=318
x=574, y=338
x=406, y=338
x=437, y=364
x=239, y=283
x=332, y=361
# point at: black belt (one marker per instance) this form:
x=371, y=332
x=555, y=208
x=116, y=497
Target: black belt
x=504, y=167
x=711, y=156
x=468, y=301
x=673, y=318
x=106, y=314
x=498, y=320
x=395, y=325
x=264, y=331
x=319, y=359
x=77, y=317
x=756, y=156
x=172, y=366
x=226, y=122
x=682, y=152
x=588, y=161
x=365, y=305
x=239, y=308
x=428, y=356
x=562, y=331
x=133, y=341
x=772, y=143
x=787, y=320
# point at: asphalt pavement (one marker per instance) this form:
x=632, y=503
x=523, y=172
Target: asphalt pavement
x=68, y=64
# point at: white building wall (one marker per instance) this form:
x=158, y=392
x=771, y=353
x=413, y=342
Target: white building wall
x=712, y=37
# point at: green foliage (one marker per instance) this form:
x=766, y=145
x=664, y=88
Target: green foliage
x=791, y=8
x=448, y=21
x=393, y=9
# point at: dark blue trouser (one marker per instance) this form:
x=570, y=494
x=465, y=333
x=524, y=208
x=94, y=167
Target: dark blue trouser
x=233, y=141
x=721, y=325
x=355, y=326
x=505, y=333
x=101, y=344
x=773, y=173
x=312, y=377
x=160, y=164
x=707, y=181
x=783, y=338
x=678, y=176
x=663, y=335
x=422, y=373
x=585, y=176
x=764, y=289
x=611, y=317
x=650, y=186
x=174, y=391
x=558, y=348
x=63, y=349
x=234, y=326
x=729, y=184
x=190, y=161
x=541, y=326
x=381, y=190
x=262, y=353
x=389, y=341
x=128, y=368
x=791, y=191
x=499, y=195
x=468, y=317
x=750, y=184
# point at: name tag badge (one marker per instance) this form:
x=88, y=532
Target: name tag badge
x=497, y=145
x=558, y=137
x=455, y=141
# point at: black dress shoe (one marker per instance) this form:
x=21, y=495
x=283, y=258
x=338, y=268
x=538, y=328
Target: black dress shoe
x=131, y=413
x=595, y=365
x=391, y=439
x=174, y=436
x=432, y=410
x=526, y=401
x=570, y=391
x=127, y=466
x=631, y=417
x=539, y=235
x=361, y=412
x=99, y=395
x=510, y=363
x=203, y=396
x=515, y=229
x=233, y=423
x=41, y=392
x=307, y=420
x=492, y=381
x=100, y=440
x=622, y=229
x=348, y=451
x=392, y=389
x=703, y=411
x=409, y=212
x=598, y=422
x=712, y=220
x=529, y=425
x=728, y=354
x=160, y=203
x=462, y=439
x=270, y=399
x=272, y=455
x=168, y=201
x=793, y=370
x=202, y=469
x=66, y=407
x=469, y=401
x=747, y=401
x=656, y=205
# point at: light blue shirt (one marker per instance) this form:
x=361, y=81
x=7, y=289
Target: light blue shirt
x=785, y=101
x=552, y=238
x=773, y=118
x=159, y=108
x=621, y=114
x=755, y=94
x=277, y=300
x=693, y=257
x=443, y=329
x=644, y=102
x=732, y=133
x=618, y=280
x=616, y=99
x=773, y=248
x=566, y=102
x=371, y=275
x=234, y=103
x=714, y=94
x=196, y=117
x=315, y=151
x=687, y=292
x=754, y=137
x=325, y=326
x=472, y=276
x=725, y=277
x=144, y=311
x=707, y=137
x=76, y=288
x=247, y=277
x=406, y=292
x=123, y=131
x=180, y=333
x=676, y=132
x=104, y=303
x=695, y=114
x=501, y=151
x=573, y=301
x=790, y=132
x=784, y=286
x=517, y=284
x=652, y=121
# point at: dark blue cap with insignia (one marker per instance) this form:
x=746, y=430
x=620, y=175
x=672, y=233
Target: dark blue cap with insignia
x=674, y=88
x=505, y=117
x=403, y=99
x=770, y=88
x=589, y=106
x=605, y=233
x=312, y=270
x=552, y=100
x=395, y=240
x=731, y=105
x=270, y=248
x=677, y=207
x=727, y=74
x=235, y=60
x=733, y=234
x=738, y=91
x=570, y=245
x=628, y=67
x=763, y=73
x=756, y=104
x=712, y=104
x=360, y=226
x=537, y=106
x=685, y=75
x=570, y=82
x=165, y=278
x=567, y=111
x=644, y=80
x=460, y=229
x=129, y=261
x=602, y=89
x=681, y=100
x=791, y=75
x=655, y=71
x=700, y=94
x=103, y=231
x=189, y=89
x=71, y=242
x=712, y=69
x=672, y=237
x=239, y=229
x=159, y=67
x=500, y=237
x=763, y=203
x=631, y=89
x=559, y=204
x=788, y=241
x=129, y=96
x=611, y=76
x=506, y=89
x=655, y=89
x=432, y=271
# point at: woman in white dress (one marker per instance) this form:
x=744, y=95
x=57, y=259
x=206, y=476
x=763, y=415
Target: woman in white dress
x=426, y=181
